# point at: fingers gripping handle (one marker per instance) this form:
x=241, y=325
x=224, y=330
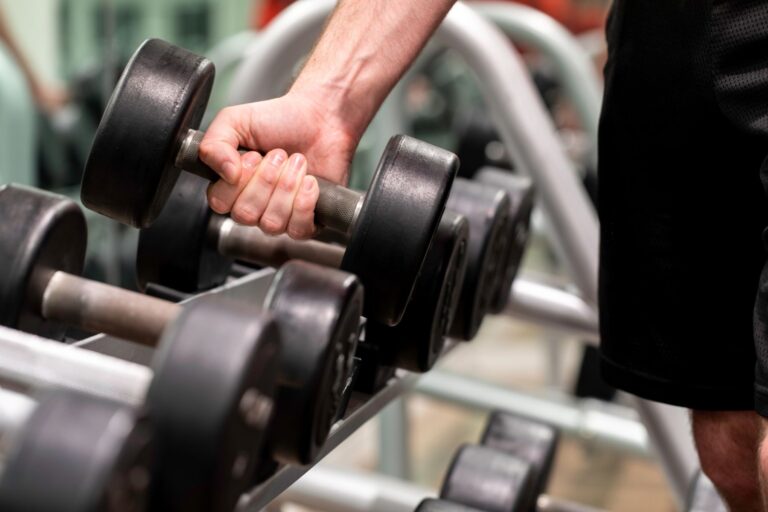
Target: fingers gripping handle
x=337, y=206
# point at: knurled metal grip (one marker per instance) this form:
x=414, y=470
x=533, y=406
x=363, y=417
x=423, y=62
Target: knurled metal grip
x=337, y=207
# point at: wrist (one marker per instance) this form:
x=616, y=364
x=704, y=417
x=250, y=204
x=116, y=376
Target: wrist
x=345, y=105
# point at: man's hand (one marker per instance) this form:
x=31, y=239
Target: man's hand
x=314, y=129
x=276, y=192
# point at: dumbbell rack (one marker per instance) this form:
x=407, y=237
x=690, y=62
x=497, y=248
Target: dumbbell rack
x=252, y=289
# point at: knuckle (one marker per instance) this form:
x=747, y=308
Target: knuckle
x=271, y=225
x=287, y=182
x=304, y=204
x=244, y=215
x=268, y=175
x=299, y=232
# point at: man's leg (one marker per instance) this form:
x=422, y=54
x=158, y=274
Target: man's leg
x=728, y=444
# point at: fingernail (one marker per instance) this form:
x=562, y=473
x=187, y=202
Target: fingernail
x=309, y=183
x=277, y=157
x=296, y=162
x=230, y=173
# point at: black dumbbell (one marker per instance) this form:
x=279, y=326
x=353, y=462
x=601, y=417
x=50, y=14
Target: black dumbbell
x=418, y=340
x=529, y=440
x=521, y=194
x=487, y=479
x=77, y=453
x=148, y=135
x=209, y=399
x=190, y=248
x=487, y=210
x=43, y=240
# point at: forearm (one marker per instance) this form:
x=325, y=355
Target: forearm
x=7, y=38
x=364, y=50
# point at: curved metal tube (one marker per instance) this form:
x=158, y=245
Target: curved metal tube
x=572, y=63
x=524, y=124
x=552, y=308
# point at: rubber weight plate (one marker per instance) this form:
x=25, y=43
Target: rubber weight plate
x=40, y=232
x=396, y=224
x=318, y=310
x=521, y=194
x=175, y=251
x=211, y=401
x=487, y=479
x=78, y=453
x=487, y=210
x=161, y=94
x=417, y=341
x=435, y=505
x=529, y=440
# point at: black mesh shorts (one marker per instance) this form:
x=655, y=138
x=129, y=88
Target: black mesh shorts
x=683, y=137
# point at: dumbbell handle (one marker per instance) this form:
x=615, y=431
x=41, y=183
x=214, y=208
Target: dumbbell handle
x=99, y=307
x=252, y=245
x=337, y=206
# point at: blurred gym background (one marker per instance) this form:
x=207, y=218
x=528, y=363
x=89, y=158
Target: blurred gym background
x=59, y=60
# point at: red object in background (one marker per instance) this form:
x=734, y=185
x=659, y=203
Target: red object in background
x=576, y=18
x=268, y=11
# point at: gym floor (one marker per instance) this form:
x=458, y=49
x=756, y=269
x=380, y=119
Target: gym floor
x=515, y=354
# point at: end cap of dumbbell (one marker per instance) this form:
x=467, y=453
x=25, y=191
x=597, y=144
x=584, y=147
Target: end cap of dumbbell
x=41, y=232
x=78, y=453
x=211, y=401
x=318, y=311
x=521, y=201
x=488, y=479
x=418, y=340
x=530, y=440
x=487, y=210
x=397, y=222
x=161, y=95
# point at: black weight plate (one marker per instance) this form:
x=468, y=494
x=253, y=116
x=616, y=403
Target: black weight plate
x=435, y=505
x=318, y=311
x=487, y=210
x=397, y=222
x=521, y=193
x=211, y=400
x=40, y=232
x=487, y=479
x=176, y=250
x=530, y=440
x=162, y=94
x=78, y=453
x=417, y=341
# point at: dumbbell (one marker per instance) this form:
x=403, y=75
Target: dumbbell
x=521, y=194
x=529, y=440
x=316, y=309
x=209, y=396
x=487, y=479
x=487, y=210
x=189, y=248
x=72, y=452
x=148, y=135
